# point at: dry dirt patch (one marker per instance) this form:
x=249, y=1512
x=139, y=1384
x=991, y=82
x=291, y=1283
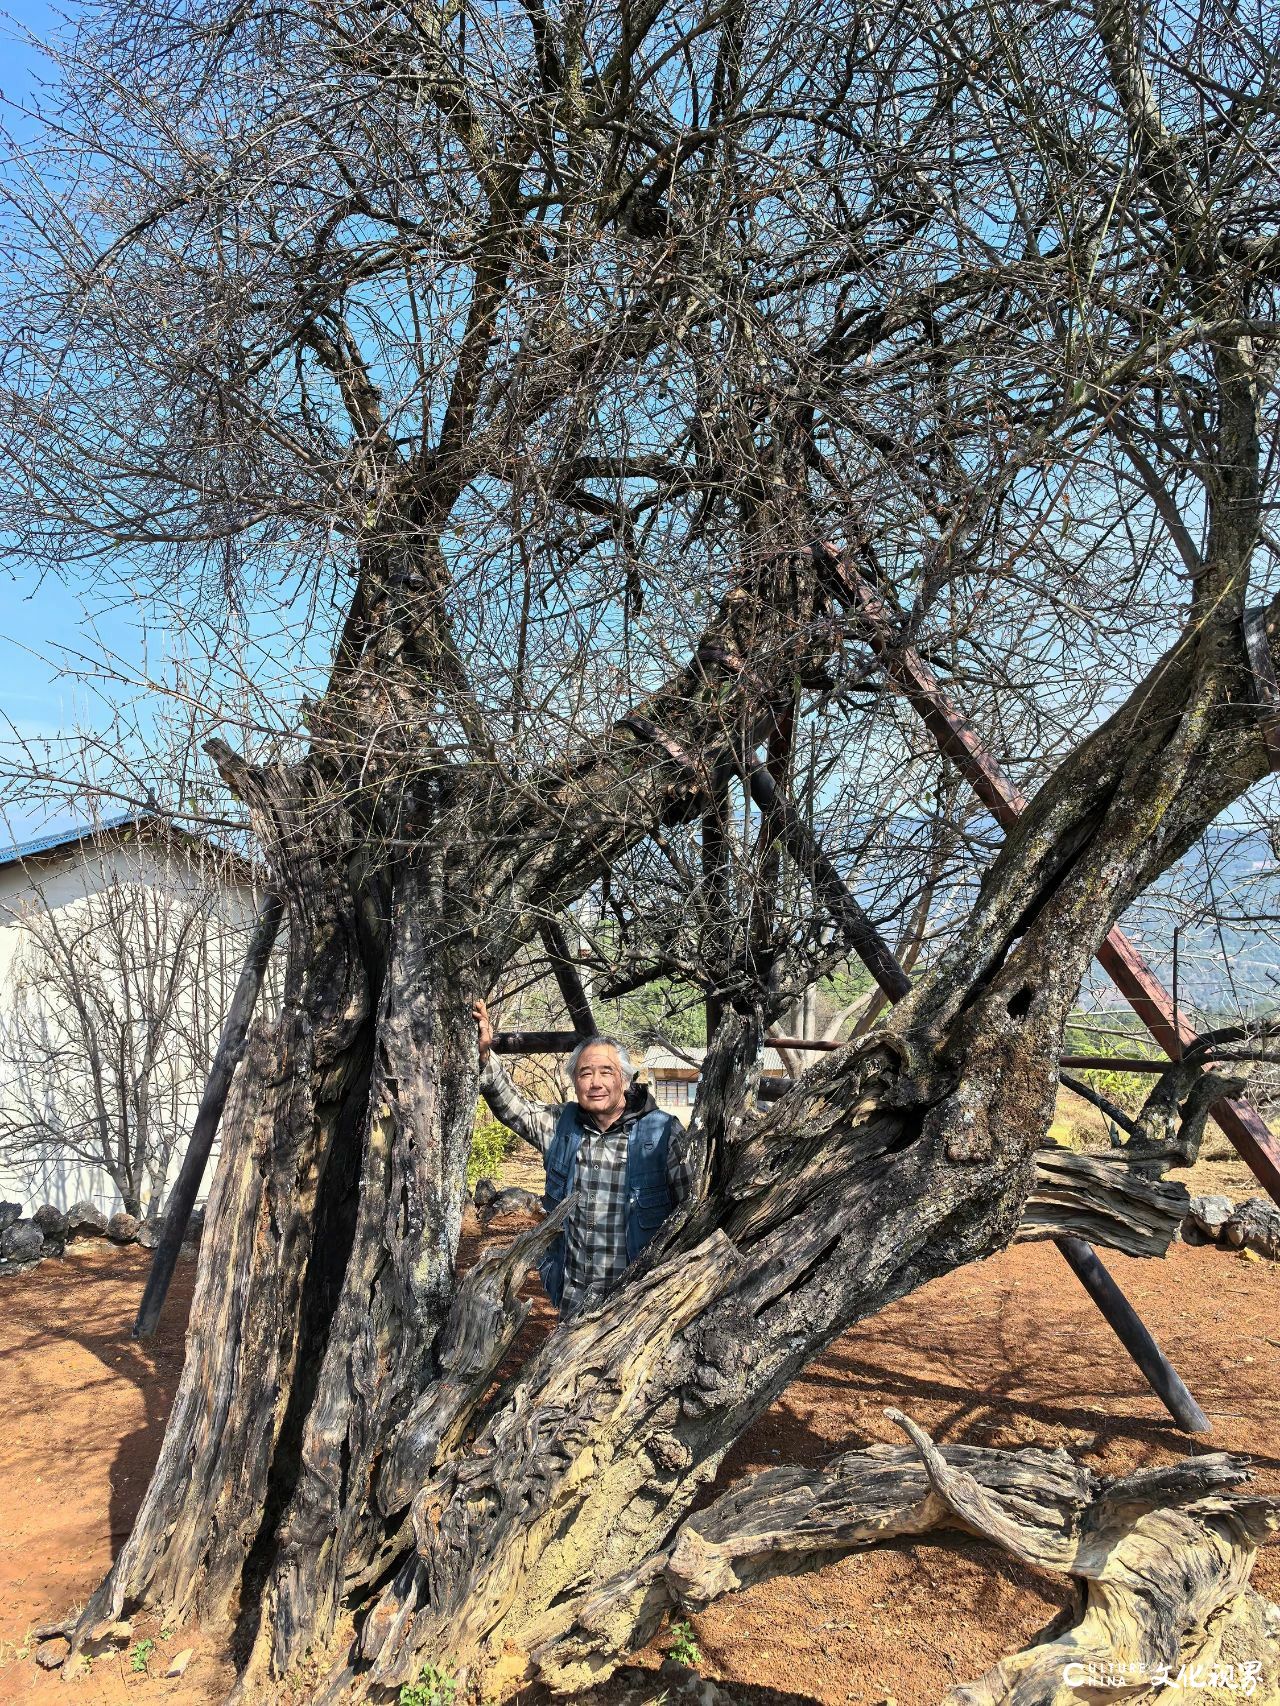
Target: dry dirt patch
x=1007, y=1352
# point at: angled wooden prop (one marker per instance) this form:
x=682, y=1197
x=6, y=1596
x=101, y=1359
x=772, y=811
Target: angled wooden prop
x=865, y=940
x=1117, y=956
x=182, y=1199
x=565, y=969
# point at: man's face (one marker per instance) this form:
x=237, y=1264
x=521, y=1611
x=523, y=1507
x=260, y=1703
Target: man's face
x=597, y=1080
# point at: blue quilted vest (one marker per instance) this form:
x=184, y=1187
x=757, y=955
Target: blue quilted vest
x=649, y=1198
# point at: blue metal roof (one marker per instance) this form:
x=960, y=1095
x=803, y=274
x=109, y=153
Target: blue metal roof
x=69, y=837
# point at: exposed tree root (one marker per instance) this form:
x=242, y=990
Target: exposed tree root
x=1161, y=1560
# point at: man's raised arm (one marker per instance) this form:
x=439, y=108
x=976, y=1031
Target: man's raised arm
x=534, y=1121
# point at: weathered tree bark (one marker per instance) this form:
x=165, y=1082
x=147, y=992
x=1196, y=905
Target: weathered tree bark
x=326, y=1270
x=885, y=1165
x=1160, y=1559
x=291, y=1123
x=326, y=1274
x=335, y=1433
x=1105, y=1201
x=231, y=1045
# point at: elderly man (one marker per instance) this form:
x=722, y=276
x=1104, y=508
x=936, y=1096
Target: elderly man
x=614, y=1146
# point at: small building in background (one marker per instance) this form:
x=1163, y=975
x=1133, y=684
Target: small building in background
x=674, y=1075
x=120, y=945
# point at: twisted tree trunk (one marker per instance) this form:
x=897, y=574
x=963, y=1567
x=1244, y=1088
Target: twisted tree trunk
x=326, y=1270
x=315, y=1452
x=887, y=1164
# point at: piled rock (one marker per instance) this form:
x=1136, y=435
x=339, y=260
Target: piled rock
x=1255, y=1225
x=85, y=1220
x=24, y=1242
x=1250, y=1225
x=53, y=1223
x=493, y=1203
x=1205, y=1218
x=123, y=1228
x=21, y=1245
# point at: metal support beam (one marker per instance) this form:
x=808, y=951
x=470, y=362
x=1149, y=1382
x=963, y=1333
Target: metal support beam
x=565, y=969
x=714, y=854
x=1158, y=1371
x=559, y=1042
x=182, y=1198
x=1070, y=1062
x=1118, y=956
x=535, y=1042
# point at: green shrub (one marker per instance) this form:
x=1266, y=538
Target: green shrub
x=490, y=1145
x=684, y=1646
x=1128, y=1090
x=1123, y=1034
x=434, y=1687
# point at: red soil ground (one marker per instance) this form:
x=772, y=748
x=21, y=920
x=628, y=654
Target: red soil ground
x=1008, y=1352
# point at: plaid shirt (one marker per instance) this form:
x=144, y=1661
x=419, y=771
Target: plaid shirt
x=596, y=1230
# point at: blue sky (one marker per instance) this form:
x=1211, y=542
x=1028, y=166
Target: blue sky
x=46, y=622
x=76, y=650
x=53, y=626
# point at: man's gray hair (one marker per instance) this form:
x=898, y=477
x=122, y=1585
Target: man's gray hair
x=624, y=1059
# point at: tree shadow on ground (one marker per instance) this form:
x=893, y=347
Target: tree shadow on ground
x=155, y=1367
x=57, y=1311
x=638, y=1685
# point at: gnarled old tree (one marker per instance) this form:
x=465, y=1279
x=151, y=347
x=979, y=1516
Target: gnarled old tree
x=548, y=346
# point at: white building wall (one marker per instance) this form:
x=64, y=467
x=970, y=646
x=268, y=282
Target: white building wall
x=66, y=883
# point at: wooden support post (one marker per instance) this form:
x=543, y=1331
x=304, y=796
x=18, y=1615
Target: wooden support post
x=535, y=1042
x=1071, y=1062
x=1158, y=1371
x=715, y=874
x=878, y=957
x=858, y=930
x=1118, y=956
x=566, y=975
x=182, y=1198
